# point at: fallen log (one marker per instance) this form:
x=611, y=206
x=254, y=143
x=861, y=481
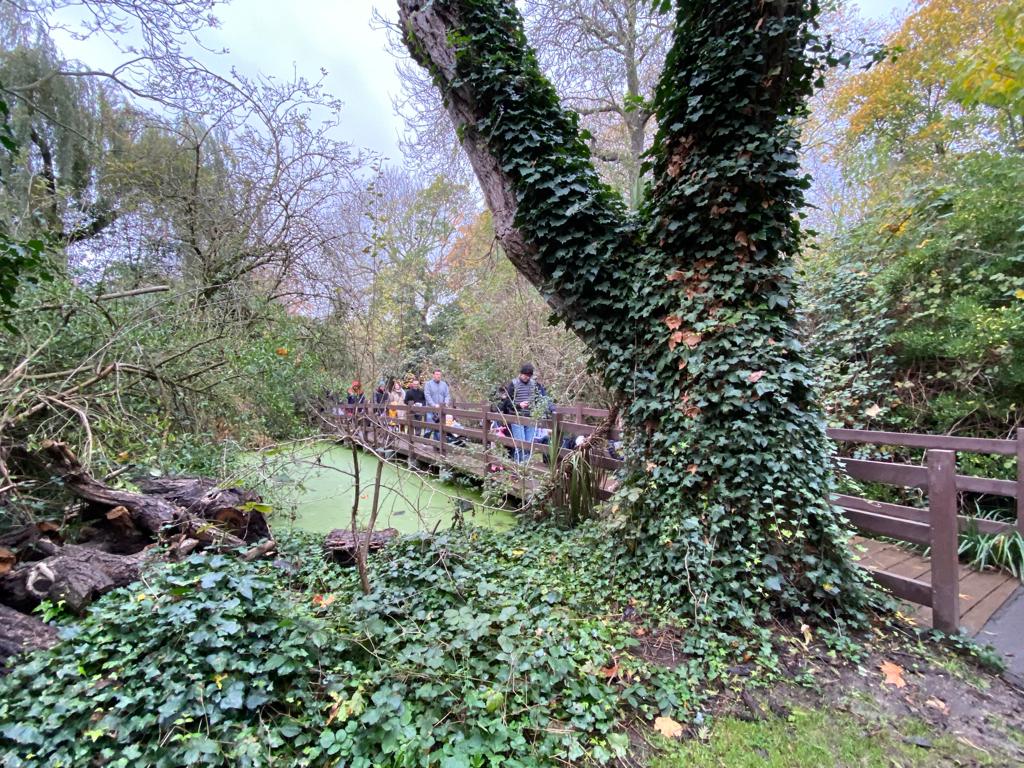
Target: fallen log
x=120, y=526
x=148, y=513
x=216, y=516
x=229, y=507
x=341, y=545
x=19, y=632
x=76, y=574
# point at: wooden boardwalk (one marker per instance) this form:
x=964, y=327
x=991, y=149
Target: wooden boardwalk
x=982, y=593
x=946, y=594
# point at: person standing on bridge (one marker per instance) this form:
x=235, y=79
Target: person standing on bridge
x=437, y=394
x=396, y=396
x=523, y=390
x=414, y=396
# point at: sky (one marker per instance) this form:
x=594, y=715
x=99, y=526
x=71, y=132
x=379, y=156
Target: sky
x=303, y=36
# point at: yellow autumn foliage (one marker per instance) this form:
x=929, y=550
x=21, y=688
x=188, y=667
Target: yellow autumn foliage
x=906, y=97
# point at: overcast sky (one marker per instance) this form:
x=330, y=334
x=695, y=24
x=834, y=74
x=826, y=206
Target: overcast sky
x=278, y=38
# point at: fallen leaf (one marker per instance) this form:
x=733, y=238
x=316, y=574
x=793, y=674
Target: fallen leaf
x=893, y=674
x=691, y=412
x=674, y=339
x=668, y=727
x=806, y=631
x=755, y=377
x=282, y=351
x=873, y=411
x=673, y=276
x=938, y=704
x=1019, y=293
x=691, y=339
x=673, y=322
x=742, y=239
x=651, y=466
x=610, y=672
x=7, y=560
x=682, y=364
x=692, y=469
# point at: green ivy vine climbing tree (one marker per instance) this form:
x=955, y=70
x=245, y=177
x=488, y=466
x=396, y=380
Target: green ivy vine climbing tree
x=687, y=305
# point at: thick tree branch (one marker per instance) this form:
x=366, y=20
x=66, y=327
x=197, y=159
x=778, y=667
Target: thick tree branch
x=505, y=179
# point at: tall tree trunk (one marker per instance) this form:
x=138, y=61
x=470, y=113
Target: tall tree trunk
x=687, y=306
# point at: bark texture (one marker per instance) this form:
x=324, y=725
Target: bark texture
x=19, y=633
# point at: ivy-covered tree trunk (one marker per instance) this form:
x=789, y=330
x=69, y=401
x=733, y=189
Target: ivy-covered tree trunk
x=688, y=305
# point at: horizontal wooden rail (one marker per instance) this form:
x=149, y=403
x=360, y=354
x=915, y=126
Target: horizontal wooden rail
x=911, y=440
x=917, y=514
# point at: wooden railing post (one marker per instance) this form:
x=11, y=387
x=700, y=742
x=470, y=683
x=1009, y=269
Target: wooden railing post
x=441, y=429
x=942, y=505
x=409, y=430
x=556, y=437
x=1020, y=480
x=485, y=428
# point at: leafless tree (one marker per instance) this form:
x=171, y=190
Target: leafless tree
x=604, y=57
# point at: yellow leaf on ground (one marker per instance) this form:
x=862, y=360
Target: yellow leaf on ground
x=668, y=727
x=806, y=631
x=893, y=674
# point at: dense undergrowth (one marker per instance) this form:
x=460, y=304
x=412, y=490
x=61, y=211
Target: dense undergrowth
x=474, y=648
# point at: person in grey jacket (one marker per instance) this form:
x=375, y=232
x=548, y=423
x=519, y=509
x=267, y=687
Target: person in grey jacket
x=437, y=394
x=523, y=393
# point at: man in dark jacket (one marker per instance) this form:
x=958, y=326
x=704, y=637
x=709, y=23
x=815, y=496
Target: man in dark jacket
x=414, y=395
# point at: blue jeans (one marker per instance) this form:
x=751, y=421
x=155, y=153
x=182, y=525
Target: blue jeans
x=525, y=433
x=433, y=418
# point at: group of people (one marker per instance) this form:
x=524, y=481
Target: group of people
x=522, y=396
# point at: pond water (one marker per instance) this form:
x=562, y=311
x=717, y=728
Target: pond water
x=320, y=482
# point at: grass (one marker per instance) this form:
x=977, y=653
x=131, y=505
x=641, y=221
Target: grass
x=815, y=738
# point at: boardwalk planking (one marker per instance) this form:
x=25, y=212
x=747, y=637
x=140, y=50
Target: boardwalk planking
x=982, y=593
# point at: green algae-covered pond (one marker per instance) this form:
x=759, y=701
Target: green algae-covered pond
x=320, y=486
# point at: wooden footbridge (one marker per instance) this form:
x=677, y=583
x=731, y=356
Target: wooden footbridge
x=947, y=595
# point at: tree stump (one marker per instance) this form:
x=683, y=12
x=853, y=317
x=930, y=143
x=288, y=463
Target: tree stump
x=340, y=545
